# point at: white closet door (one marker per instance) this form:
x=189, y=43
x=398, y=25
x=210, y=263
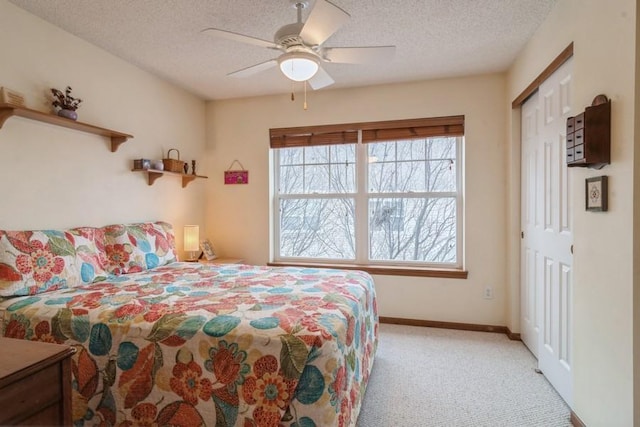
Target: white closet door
x=546, y=264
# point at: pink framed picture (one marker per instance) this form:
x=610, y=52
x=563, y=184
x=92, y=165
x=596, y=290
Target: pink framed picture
x=236, y=177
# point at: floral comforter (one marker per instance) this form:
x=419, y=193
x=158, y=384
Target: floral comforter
x=192, y=344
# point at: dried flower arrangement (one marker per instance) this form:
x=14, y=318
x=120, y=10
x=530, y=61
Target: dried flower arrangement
x=64, y=100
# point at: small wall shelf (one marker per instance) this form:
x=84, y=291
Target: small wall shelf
x=589, y=135
x=154, y=174
x=8, y=110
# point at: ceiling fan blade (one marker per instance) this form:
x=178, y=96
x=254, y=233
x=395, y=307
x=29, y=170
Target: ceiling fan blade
x=321, y=79
x=230, y=35
x=359, y=55
x=254, y=69
x=324, y=19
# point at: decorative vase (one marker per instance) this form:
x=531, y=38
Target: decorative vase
x=69, y=114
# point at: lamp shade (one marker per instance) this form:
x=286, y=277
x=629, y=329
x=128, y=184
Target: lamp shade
x=298, y=66
x=191, y=238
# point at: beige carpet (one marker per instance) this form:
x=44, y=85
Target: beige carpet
x=439, y=377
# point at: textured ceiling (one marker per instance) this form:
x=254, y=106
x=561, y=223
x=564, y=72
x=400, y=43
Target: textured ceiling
x=433, y=38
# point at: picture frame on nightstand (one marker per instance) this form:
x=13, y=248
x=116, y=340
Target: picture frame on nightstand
x=207, y=250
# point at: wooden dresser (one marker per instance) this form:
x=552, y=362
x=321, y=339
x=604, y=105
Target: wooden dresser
x=35, y=383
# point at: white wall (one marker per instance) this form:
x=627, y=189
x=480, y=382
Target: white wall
x=238, y=215
x=604, y=36
x=52, y=177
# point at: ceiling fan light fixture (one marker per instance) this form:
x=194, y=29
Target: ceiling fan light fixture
x=298, y=66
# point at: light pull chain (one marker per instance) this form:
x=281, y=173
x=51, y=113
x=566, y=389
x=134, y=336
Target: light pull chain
x=293, y=95
x=305, y=94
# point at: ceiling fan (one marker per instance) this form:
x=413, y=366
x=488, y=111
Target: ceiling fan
x=301, y=44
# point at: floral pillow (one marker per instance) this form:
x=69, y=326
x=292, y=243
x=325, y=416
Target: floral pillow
x=132, y=248
x=32, y=262
x=89, y=245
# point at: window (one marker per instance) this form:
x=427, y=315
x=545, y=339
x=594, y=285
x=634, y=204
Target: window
x=383, y=193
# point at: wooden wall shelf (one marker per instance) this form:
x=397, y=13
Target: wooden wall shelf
x=8, y=110
x=154, y=174
x=589, y=135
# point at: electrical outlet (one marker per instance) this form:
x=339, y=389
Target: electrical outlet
x=488, y=292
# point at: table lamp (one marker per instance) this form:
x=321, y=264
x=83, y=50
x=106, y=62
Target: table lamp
x=192, y=242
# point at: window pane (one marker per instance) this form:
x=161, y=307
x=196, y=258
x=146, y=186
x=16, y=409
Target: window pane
x=403, y=150
x=418, y=149
x=343, y=153
x=441, y=148
x=382, y=177
x=291, y=179
x=343, y=168
x=316, y=179
x=317, y=154
x=291, y=156
x=411, y=176
x=441, y=175
x=412, y=229
x=317, y=228
x=310, y=170
x=343, y=178
x=421, y=165
x=382, y=151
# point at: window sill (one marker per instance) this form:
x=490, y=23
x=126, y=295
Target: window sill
x=384, y=270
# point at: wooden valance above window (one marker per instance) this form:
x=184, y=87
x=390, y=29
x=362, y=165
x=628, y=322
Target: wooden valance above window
x=307, y=136
x=371, y=132
x=414, y=129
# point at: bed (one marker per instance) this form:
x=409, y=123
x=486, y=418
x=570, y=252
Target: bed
x=195, y=344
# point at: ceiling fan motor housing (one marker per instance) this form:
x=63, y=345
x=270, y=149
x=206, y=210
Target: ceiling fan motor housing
x=289, y=36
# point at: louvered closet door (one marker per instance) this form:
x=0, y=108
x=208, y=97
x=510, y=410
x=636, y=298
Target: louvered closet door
x=546, y=216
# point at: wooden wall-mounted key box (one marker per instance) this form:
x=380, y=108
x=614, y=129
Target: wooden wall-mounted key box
x=589, y=135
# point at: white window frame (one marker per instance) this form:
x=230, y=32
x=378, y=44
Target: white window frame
x=361, y=197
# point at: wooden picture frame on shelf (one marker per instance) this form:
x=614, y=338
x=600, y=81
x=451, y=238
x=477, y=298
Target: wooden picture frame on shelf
x=596, y=194
x=207, y=250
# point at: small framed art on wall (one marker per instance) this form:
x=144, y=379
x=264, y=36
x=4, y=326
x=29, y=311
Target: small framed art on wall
x=596, y=194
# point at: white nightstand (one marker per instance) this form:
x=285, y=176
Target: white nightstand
x=222, y=261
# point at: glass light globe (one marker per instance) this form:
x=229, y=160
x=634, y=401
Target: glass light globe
x=298, y=66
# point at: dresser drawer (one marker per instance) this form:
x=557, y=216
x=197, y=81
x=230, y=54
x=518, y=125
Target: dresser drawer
x=570, y=155
x=570, y=139
x=578, y=137
x=30, y=395
x=44, y=417
x=579, y=121
x=35, y=383
x=578, y=152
